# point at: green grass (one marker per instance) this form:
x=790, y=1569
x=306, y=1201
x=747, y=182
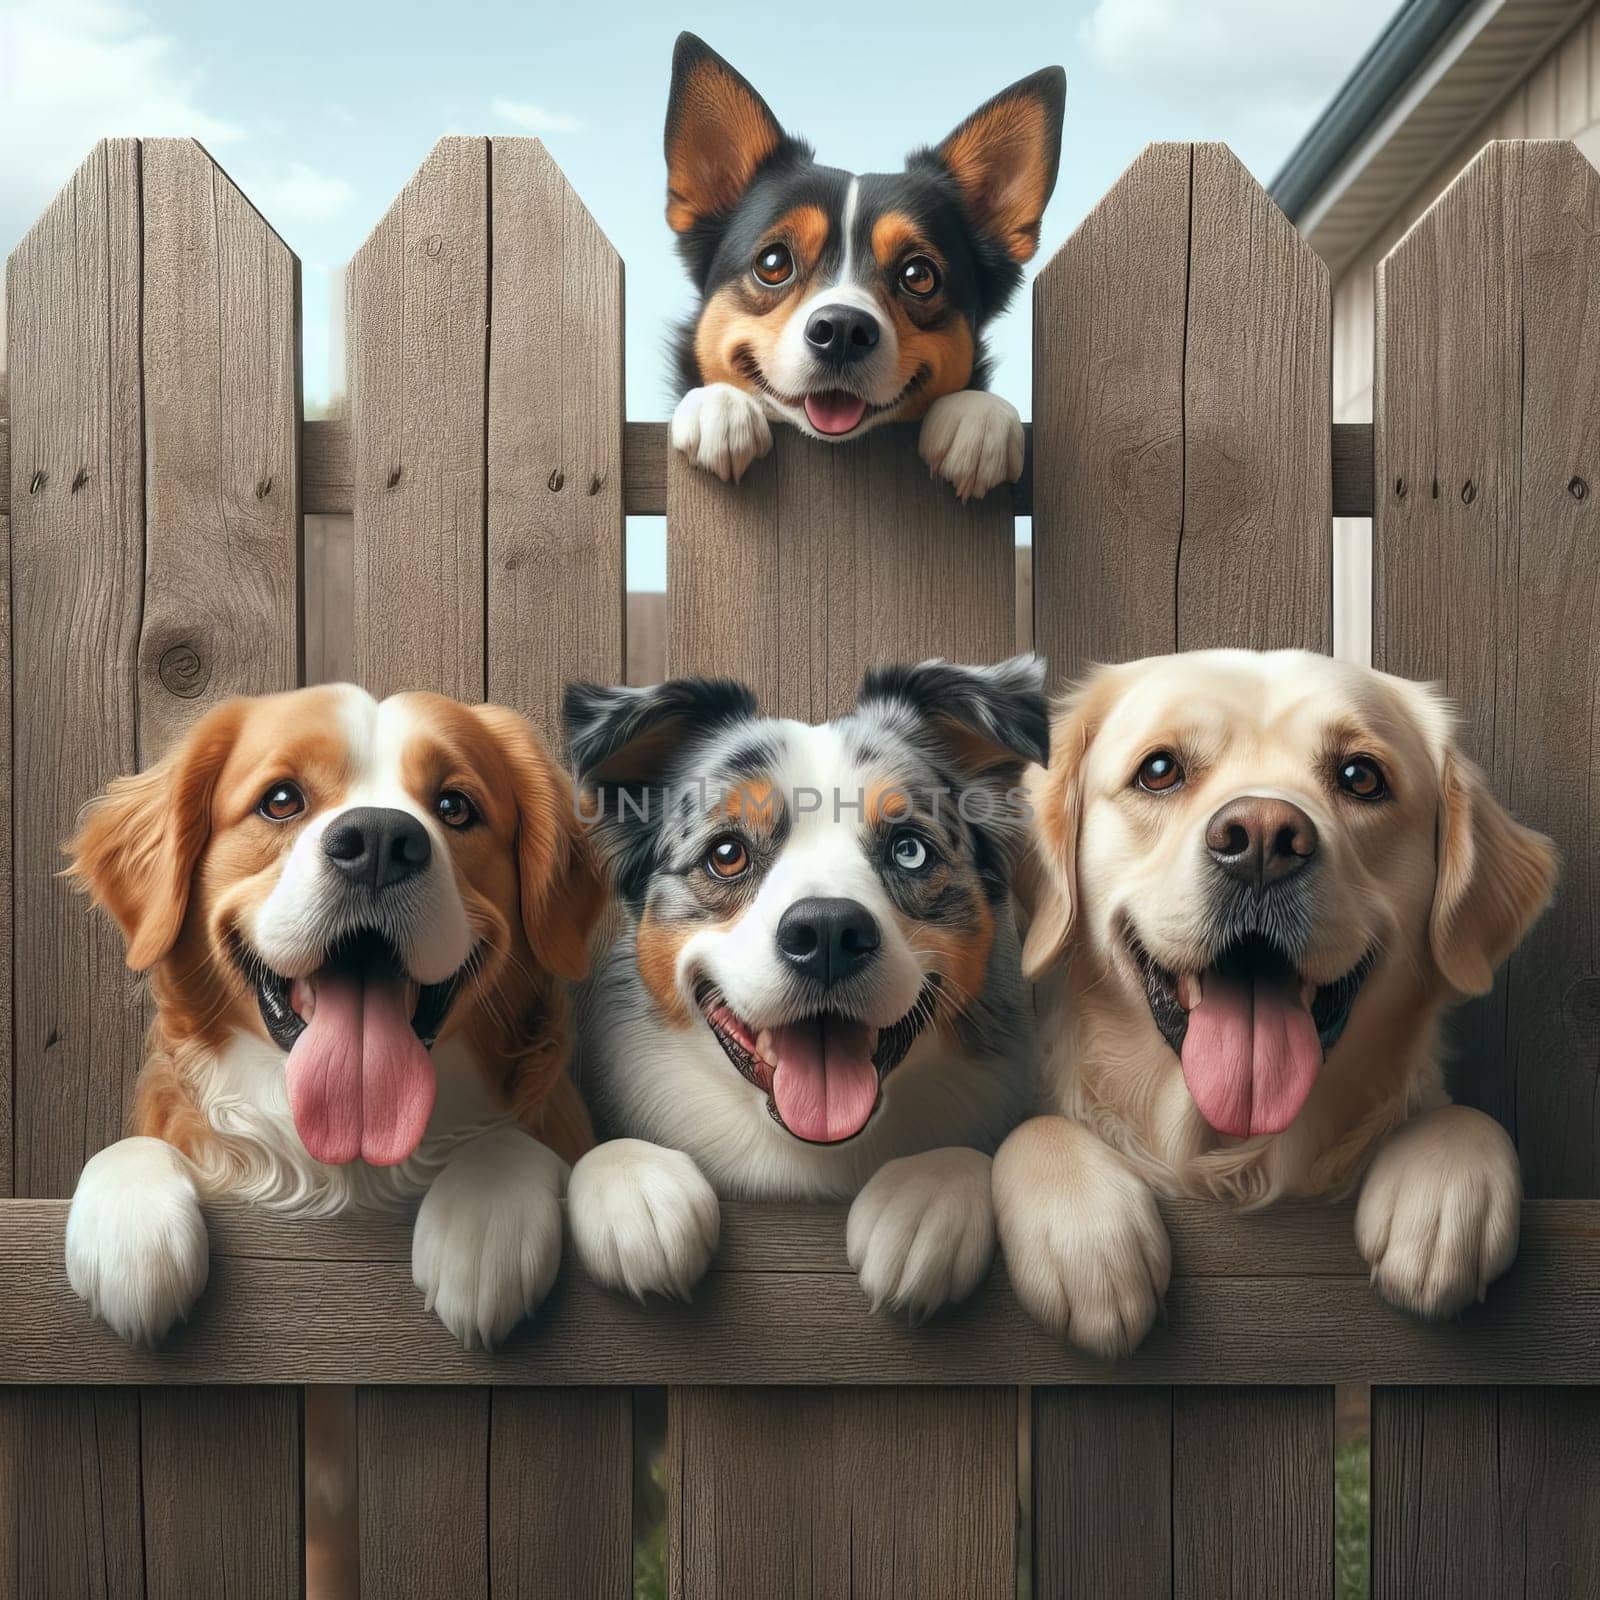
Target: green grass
x=1352, y=1520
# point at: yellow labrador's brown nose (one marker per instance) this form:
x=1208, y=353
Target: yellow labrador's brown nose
x=1260, y=841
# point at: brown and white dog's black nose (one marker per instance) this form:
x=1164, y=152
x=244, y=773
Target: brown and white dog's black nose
x=841, y=335
x=377, y=845
x=828, y=940
x=1260, y=841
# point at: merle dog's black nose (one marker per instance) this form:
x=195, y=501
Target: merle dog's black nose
x=376, y=846
x=842, y=334
x=1259, y=840
x=828, y=940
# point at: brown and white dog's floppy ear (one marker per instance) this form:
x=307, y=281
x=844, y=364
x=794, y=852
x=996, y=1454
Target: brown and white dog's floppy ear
x=561, y=889
x=1004, y=159
x=1494, y=877
x=138, y=844
x=719, y=131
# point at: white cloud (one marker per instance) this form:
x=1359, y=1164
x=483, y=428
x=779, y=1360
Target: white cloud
x=298, y=193
x=534, y=119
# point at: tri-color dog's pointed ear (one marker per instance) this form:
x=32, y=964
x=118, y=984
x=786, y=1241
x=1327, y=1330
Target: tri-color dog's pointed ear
x=1004, y=159
x=719, y=131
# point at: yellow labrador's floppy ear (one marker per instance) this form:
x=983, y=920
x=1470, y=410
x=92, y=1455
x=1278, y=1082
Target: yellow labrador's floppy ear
x=1494, y=877
x=561, y=889
x=719, y=132
x=139, y=843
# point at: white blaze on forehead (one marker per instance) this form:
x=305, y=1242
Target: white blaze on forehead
x=852, y=200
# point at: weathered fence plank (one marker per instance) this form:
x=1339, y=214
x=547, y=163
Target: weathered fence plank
x=556, y=527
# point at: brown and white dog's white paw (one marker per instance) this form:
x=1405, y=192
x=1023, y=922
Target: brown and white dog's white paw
x=136, y=1241
x=644, y=1220
x=1085, y=1247
x=1439, y=1211
x=973, y=440
x=721, y=429
x=487, y=1241
x=921, y=1231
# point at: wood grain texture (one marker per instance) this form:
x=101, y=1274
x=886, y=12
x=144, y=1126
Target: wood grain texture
x=7, y=898
x=418, y=321
x=77, y=568
x=1485, y=1492
x=833, y=1493
x=827, y=559
x=556, y=528
x=220, y=1481
x=1182, y=422
x=1487, y=580
x=222, y=447
x=561, y=1494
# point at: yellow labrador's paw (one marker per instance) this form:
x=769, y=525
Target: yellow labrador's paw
x=136, y=1243
x=721, y=429
x=487, y=1241
x=921, y=1232
x=1084, y=1245
x=1439, y=1211
x=973, y=440
x=643, y=1218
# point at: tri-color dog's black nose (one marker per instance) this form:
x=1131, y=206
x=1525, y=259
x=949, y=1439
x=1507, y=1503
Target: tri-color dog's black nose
x=376, y=846
x=1259, y=841
x=840, y=335
x=828, y=940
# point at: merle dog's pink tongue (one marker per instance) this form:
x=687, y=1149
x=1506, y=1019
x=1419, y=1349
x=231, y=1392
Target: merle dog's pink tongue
x=834, y=411
x=360, y=1080
x=825, y=1085
x=1251, y=1053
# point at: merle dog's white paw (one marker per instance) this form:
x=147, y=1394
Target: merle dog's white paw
x=136, y=1242
x=487, y=1241
x=973, y=440
x=1439, y=1211
x=643, y=1218
x=721, y=429
x=921, y=1232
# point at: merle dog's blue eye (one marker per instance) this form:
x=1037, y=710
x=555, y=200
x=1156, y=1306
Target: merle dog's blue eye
x=910, y=852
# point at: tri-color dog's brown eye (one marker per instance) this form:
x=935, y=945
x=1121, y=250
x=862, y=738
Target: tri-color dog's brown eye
x=919, y=277
x=727, y=858
x=282, y=802
x=454, y=809
x=1159, y=772
x=1362, y=777
x=774, y=266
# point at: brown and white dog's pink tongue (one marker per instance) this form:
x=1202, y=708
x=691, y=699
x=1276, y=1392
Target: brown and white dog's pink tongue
x=1251, y=1053
x=360, y=1081
x=825, y=1085
x=834, y=411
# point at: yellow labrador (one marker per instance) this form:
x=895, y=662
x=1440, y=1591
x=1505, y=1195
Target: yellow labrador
x=1260, y=879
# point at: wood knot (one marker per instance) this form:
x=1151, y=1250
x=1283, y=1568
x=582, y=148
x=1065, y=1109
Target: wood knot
x=394, y=476
x=183, y=671
x=37, y=482
x=557, y=479
x=264, y=487
x=1578, y=489
x=594, y=483
x=433, y=244
x=1469, y=492
x=79, y=478
x=1399, y=488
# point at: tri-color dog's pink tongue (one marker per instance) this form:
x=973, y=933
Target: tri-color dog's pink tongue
x=834, y=411
x=825, y=1085
x=360, y=1081
x=1251, y=1053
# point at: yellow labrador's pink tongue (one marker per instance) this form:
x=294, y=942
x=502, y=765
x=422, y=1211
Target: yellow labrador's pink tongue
x=834, y=411
x=1251, y=1053
x=360, y=1081
x=825, y=1085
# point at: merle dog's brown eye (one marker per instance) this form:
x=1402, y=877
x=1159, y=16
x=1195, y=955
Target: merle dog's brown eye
x=454, y=809
x=1159, y=772
x=919, y=277
x=282, y=802
x=727, y=858
x=1362, y=777
x=774, y=266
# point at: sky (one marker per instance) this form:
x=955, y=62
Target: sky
x=320, y=112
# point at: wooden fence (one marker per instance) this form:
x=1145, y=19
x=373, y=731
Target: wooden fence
x=1183, y=471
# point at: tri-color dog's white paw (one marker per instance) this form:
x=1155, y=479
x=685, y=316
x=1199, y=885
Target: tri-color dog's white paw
x=721, y=429
x=1439, y=1211
x=487, y=1241
x=136, y=1241
x=921, y=1232
x=973, y=440
x=643, y=1218
x=1084, y=1245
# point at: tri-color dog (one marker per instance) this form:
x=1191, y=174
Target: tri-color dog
x=835, y=302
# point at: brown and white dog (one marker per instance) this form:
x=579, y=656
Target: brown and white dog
x=357, y=917
x=1262, y=878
